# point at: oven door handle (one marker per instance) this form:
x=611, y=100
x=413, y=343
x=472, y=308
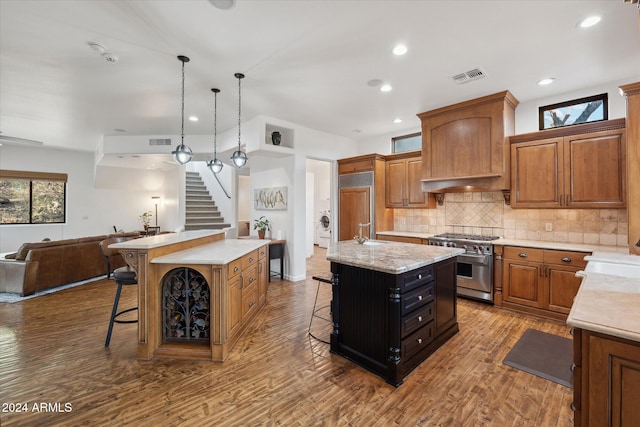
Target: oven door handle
x=474, y=259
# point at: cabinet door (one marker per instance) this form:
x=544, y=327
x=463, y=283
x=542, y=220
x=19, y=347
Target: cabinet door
x=611, y=386
x=595, y=169
x=234, y=313
x=523, y=283
x=536, y=171
x=355, y=208
x=414, y=194
x=563, y=287
x=263, y=278
x=445, y=298
x=395, y=183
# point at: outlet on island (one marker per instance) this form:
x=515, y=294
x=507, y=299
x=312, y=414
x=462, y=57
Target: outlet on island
x=548, y=226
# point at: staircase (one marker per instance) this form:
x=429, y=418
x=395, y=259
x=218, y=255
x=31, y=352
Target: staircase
x=201, y=210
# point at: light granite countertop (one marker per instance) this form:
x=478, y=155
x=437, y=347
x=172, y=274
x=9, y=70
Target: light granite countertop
x=607, y=304
x=221, y=252
x=164, y=239
x=388, y=257
x=542, y=244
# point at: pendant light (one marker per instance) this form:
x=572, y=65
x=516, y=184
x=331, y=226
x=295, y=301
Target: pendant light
x=239, y=157
x=182, y=153
x=215, y=165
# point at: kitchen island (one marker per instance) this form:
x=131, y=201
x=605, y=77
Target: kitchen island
x=197, y=292
x=393, y=304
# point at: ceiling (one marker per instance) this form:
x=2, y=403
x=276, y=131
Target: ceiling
x=306, y=62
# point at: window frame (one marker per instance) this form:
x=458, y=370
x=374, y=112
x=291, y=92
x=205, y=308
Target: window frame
x=37, y=176
x=401, y=137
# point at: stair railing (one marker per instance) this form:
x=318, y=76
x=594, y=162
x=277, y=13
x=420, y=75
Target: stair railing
x=221, y=186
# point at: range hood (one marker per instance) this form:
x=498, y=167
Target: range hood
x=465, y=146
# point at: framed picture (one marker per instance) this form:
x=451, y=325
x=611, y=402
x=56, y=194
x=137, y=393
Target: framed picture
x=270, y=198
x=582, y=110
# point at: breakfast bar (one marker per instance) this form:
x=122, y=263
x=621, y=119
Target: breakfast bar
x=197, y=292
x=393, y=304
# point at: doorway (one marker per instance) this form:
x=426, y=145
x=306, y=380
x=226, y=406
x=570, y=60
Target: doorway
x=319, y=223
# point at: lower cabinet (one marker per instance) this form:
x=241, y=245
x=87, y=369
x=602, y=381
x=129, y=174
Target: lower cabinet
x=541, y=281
x=606, y=380
x=390, y=323
x=403, y=239
x=246, y=288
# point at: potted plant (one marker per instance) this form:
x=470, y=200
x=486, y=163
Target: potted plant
x=262, y=225
x=145, y=218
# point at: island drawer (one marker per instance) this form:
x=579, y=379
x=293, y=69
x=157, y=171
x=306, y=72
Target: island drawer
x=234, y=267
x=416, y=278
x=262, y=252
x=249, y=259
x=417, y=319
x=249, y=300
x=415, y=342
x=416, y=298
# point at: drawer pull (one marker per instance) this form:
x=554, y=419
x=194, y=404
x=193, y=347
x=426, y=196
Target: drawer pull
x=571, y=331
x=250, y=259
x=522, y=255
x=419, y=340
x=573, y=367
x=419, y=297
x=251, y=279
x=419, y=276
x=235, y=269
x=572, y=406
x=419, y=318
x=566, y=259
x=251, y=303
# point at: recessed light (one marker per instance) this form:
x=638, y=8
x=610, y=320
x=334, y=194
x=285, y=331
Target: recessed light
x=223, y=4
x=546, y=81
x=120, y=130
x=193, y=118
x=374, y=83
x=399, y=50
x=356, y=131
x=97, y=47
x=385, y=88
x=590, y=21
x=398, y=120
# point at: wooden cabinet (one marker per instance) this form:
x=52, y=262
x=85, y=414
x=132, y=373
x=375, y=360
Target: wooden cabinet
x=632, y=93
x=403, y=188
x=390, y=323
x=580, y=167
x=263, y=274
x=246, y=287
x=361, y=196
x=540, y=281
x=464, y=144
x=606, y=380
x=402, y=239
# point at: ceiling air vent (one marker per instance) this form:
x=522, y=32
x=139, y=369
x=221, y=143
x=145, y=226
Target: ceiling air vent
x=469, y=76
x=160, y=141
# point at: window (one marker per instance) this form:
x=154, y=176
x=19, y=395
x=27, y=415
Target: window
x=32, y=197
x=403, y=143
x=583, y=110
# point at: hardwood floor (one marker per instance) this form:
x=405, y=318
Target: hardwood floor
x=52, y=351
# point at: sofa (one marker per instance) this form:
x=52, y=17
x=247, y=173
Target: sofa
x=48, y=264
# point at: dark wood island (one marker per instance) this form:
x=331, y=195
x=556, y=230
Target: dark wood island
x=393, y=304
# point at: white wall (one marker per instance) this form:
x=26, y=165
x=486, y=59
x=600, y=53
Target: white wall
x=90, y=210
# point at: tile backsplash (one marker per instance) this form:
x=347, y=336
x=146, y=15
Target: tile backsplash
x=487, y=214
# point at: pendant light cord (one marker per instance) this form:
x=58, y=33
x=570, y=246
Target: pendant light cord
x=182, y=127
x=239, y=106
x=215, y=124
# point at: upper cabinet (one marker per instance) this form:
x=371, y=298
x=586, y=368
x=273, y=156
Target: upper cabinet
x=464, y=145
x=581, y=166
x=403, y=188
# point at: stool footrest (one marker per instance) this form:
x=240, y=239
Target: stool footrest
x=326, y=278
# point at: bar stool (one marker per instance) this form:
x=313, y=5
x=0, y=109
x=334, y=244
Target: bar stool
x=321, y=279
x=123, y=276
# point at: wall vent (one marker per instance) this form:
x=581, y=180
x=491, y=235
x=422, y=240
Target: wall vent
x=469, y=76
x=160, y=141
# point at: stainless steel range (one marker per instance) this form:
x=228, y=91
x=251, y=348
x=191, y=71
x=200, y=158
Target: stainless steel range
x=475, y=266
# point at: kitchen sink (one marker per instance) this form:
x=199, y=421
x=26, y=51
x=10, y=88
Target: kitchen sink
x=631, y=271
x=374, y=242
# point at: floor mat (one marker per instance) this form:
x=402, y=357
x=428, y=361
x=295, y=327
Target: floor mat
x=545, y=355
